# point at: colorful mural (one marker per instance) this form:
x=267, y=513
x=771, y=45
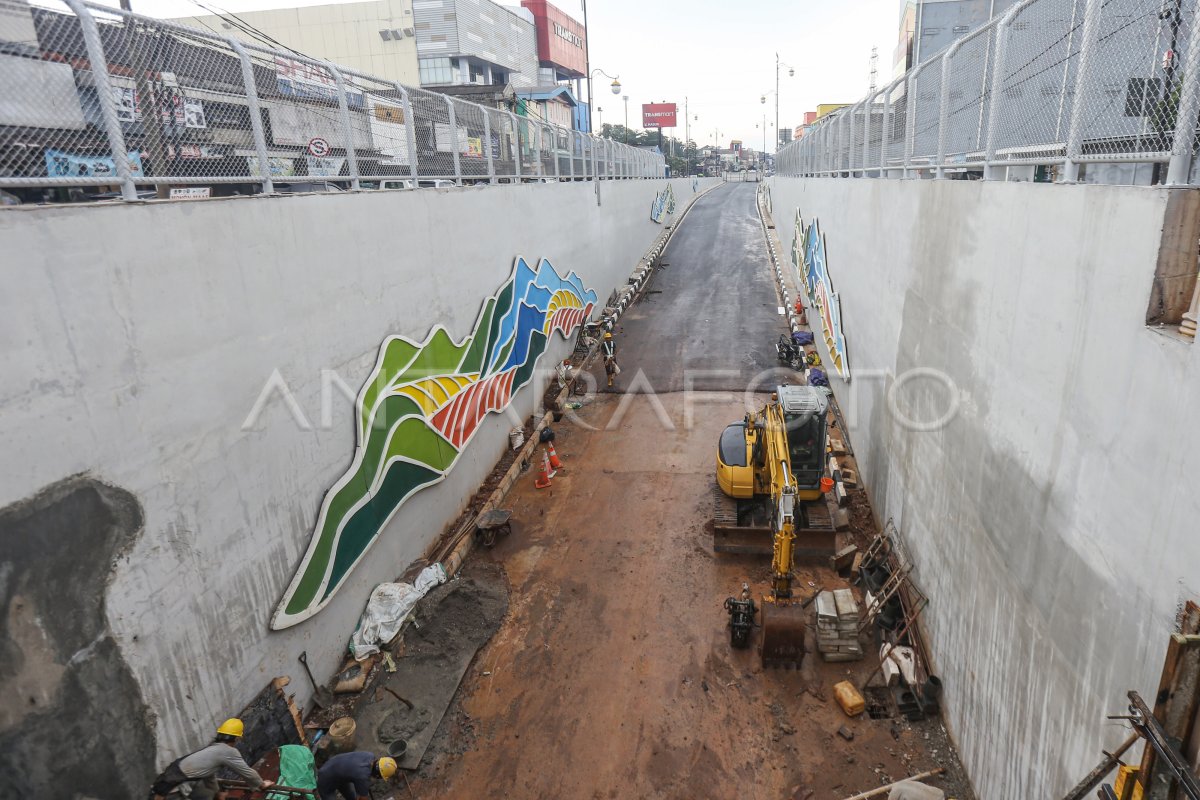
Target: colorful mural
x=419, y=409
x=808, y=257
x=664, y=204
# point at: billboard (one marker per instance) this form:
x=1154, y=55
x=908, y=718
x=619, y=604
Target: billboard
x=658, y=115
x=561, y=40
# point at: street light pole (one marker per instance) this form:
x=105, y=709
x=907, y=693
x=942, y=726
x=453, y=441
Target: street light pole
x=587, y=57
x=686, y=138
x=626, y=99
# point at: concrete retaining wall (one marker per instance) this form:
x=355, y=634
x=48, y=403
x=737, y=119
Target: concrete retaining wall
x=1054, y=518
x=138, y=338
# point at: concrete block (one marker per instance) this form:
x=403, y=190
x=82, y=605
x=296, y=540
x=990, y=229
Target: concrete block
x=839, y=657
x=846, y=605
x=826, y=607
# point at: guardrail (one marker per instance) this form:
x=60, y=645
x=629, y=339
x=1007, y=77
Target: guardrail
x=96, y=96
x=1058, y=84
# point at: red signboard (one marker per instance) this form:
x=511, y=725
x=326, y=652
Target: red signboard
x=658, y=115
x=562, y=42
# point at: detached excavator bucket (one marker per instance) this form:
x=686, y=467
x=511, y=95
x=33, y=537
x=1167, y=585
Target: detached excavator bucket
x=782, y=632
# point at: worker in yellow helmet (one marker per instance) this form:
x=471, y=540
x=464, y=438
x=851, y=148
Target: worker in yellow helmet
x=608, y=349
x=199, y=770
x=349, y=775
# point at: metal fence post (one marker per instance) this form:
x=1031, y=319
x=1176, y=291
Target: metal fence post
x=252, y=105
x=850, y=114
x=572, y=138
x=108, y=111
x=910, y=124
x=487, y=144
x=557, y=161
x=886, y=132
x=1083, y=71
x=516, y=139
x=595, y=168
x=410, y=136
x=990, y=170
x=866, y=148
x=344, y=107
x=453, y=139
x=1185, y=118
x=944, y=109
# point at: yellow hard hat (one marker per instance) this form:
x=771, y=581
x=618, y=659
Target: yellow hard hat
x=232, y=727
x=386, y=767
x=607, y=335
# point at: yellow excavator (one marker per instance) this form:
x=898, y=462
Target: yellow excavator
x=775, y=459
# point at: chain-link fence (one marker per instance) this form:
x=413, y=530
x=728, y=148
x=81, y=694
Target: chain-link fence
x=97, y=101
x=1049, y=87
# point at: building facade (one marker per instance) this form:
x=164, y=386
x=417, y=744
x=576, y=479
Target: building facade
x=479, y=42
x=930, y=26
x=377, y=37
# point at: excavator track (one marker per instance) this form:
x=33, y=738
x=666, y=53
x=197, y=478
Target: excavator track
x=744, y=526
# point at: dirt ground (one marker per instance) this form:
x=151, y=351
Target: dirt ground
x=612, y=675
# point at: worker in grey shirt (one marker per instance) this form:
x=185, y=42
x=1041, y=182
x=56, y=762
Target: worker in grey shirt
x=195, y=775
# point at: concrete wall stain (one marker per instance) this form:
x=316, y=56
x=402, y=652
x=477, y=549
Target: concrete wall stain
x=72, y=719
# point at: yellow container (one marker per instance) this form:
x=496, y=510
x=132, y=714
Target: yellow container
x=849, y=699
x=1127, y=773
x=341, y=734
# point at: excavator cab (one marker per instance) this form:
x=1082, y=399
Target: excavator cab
x=804, y=410
x=735, y=470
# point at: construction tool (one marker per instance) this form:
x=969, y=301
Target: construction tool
x=398, y=697
x=276, y=789
x=779, y=454
x=321, y=695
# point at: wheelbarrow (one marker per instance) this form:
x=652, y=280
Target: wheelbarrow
x=491, y=524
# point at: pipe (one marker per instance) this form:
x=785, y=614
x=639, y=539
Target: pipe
x=882, y=789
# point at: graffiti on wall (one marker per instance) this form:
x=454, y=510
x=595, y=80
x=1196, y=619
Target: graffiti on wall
x=808, y=257
x=419, y=409
x=664, y=204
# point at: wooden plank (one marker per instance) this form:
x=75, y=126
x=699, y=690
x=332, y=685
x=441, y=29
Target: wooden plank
x=1179, y=672
x=1093, y=778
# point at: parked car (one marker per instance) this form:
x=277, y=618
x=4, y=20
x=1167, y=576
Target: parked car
x=142, y=194
x=406, y=183
x=301, y=187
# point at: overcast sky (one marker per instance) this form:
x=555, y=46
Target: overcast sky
x=719, y=55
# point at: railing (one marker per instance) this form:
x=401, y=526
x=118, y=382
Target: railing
x=1057, y=84
x=93, y=96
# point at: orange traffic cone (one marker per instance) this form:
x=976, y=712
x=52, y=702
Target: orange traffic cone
x=554, y=462
x=543, y=480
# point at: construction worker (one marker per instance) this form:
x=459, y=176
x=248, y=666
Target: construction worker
x=349, y=775
x=608, y=349
x=199, y=770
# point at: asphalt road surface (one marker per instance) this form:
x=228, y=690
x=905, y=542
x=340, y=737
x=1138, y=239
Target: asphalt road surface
x=709, y=319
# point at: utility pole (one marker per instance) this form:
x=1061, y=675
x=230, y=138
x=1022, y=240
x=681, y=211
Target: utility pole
x=776, y=105
x=686, y=136
x=587, y=58
x=874, y=69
